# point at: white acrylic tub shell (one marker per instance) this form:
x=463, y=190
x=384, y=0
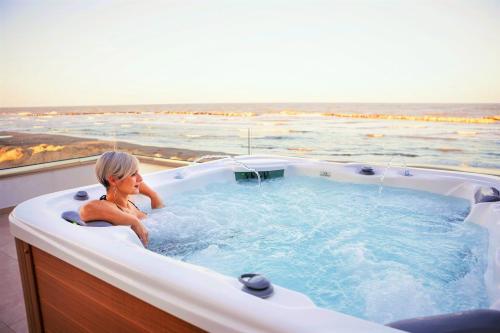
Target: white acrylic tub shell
x=213, y=301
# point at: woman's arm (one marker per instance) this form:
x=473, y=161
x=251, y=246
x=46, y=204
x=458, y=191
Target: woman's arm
x=156, y=201
x=104, y=210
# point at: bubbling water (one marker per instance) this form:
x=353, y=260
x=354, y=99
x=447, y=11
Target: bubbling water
x=411, y=256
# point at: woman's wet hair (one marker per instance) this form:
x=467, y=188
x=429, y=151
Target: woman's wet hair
x=116, y=164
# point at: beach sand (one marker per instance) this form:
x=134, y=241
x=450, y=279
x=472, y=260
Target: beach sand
x=19, y=149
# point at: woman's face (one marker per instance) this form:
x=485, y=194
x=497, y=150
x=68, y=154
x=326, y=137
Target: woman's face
x=130, y=184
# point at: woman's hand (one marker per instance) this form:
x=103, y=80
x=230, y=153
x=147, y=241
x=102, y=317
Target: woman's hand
x=141, y=232
x=156, y=201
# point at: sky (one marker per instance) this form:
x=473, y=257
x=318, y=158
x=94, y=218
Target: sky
x=55, y=53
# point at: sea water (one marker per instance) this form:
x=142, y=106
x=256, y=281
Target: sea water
x=400, y=254
x=284, y=129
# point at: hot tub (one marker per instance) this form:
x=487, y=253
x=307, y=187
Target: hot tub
x=83, y=278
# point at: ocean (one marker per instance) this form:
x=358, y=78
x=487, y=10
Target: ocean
x=450, y=135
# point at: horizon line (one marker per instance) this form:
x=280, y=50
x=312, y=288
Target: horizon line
x=242, y=103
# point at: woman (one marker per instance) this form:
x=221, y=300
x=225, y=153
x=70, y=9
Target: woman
x=119, y=173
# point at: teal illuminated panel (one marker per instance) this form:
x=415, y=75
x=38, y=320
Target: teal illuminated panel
x=248, y=175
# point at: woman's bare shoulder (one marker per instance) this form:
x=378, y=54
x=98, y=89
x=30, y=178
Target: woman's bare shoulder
x=89, y=210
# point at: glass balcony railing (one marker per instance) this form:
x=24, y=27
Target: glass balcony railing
x=326, y=132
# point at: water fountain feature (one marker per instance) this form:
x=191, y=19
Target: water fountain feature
x=406, y=173
x=233, y=160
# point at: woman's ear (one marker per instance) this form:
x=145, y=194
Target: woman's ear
x=111, y=180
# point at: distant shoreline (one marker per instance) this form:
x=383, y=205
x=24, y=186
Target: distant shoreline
x=485, y=113
x=290, y=113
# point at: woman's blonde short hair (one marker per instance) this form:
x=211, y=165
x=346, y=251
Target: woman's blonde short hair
x=117, y=164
